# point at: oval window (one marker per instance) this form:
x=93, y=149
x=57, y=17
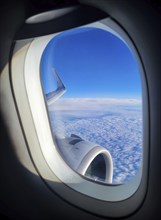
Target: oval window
x=92, y=86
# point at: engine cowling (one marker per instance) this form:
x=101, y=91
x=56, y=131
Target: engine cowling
x=87, y=158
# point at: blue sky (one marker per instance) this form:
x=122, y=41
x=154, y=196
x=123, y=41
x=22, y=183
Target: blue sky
x=92, y=63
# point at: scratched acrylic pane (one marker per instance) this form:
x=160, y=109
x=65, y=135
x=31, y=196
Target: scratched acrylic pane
x=92, y=85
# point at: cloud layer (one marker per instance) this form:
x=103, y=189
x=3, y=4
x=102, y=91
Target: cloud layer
x=90, y=104
x=115, y=124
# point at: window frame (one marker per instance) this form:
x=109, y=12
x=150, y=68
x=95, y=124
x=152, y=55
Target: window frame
x=33, y=87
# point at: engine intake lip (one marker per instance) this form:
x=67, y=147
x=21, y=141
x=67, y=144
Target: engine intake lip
x=91, y=155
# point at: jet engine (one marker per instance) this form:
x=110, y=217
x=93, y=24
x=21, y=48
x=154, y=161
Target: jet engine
x=87, y=158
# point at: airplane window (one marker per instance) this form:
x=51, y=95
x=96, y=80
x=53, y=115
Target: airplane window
x=92, y=87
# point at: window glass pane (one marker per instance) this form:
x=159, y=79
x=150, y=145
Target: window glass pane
x=92, y=86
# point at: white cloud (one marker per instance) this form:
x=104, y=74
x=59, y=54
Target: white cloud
x=121, y=134
x=91, y=104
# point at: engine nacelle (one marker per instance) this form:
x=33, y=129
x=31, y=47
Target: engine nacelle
x=86, y=158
